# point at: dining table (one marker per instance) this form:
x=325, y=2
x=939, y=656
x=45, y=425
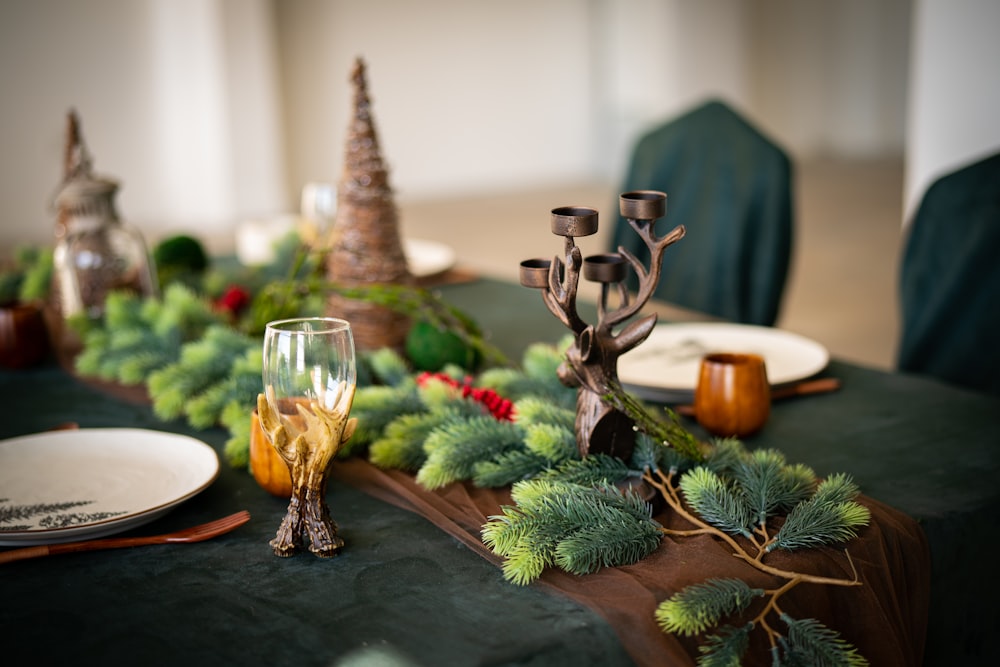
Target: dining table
x=404, y=592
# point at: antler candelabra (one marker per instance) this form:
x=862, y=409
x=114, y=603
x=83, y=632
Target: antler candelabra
x=591, y=363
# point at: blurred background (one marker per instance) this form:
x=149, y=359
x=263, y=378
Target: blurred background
x=212, y=112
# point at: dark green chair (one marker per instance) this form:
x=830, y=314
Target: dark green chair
x=950, y=280
x=731, y=187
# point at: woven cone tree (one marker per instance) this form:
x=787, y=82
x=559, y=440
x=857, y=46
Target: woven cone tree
x=366, y=248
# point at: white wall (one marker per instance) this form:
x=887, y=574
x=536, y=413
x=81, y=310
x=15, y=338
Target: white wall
x=955, y=97
x=212, y=111
x=178, y=101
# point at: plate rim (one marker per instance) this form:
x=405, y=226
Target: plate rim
x=111, y=525
x=681, y=393
x=439, y=267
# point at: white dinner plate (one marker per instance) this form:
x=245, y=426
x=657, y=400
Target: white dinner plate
x=62, y=486
x=665, y=367
x=427, y=258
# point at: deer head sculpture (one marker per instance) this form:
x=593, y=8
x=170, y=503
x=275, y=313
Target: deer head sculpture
x=591, y=363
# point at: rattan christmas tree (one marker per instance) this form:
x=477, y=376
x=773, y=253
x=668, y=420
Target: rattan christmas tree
x=366, y=247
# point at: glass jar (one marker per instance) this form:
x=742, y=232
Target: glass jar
x=98, y=253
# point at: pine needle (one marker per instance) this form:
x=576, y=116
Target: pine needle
x=817, y=523
x=712, y=498
x=699, y=607
x=812, y=643
x=726, y=648
x=553, y=443
x=454, y=448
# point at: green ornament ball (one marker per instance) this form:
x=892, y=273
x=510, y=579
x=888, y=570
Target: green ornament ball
x=179, y=258
x=431, y=349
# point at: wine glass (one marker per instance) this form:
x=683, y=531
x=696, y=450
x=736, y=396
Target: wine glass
x=310, y=376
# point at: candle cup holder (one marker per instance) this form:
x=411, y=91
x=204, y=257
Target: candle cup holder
x=643, y=205
x=591, y=363
x=535, y=273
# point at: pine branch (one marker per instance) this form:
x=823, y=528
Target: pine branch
x=594, y=470
x=617, y=538
x=454, y=448
x=516, y=384
x=716, y=502
x=387, y=365
x=201, y=364
x=837, y=488
x=569, y=525
x=507, y=468
x=768, y=484
x=401, y=445
x=725, y=649
x=377, y=406
x=552, y=443
x=725, y=456
x=699, y=607
x=812, y=643
x=533, y=410
x=815, y=524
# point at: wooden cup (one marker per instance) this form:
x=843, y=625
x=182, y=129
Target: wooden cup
x=732, y=397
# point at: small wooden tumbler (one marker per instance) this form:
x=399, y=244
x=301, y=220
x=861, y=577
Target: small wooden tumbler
x=732, y=397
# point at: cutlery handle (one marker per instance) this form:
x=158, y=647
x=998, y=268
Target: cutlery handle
x=819, y=386
x=41, y=550
x=24, y=553
x=804, y=388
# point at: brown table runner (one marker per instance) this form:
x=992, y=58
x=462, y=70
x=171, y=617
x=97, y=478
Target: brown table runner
x=885, y=618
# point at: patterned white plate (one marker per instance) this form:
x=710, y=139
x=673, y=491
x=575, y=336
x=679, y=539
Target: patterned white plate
x=665, y=367
x=62, y=486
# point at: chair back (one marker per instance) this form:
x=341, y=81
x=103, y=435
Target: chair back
x=731, y=187
x=950, y=280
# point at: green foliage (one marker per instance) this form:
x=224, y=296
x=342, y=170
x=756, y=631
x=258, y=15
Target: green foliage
x=594, y=470
x=726, y=456
x=830, y=516
x=235, y=417
x=401, y=445
x=431, y=348
x=240, y=387
x=726, y=648
x=716, y=501
x=809, y=642
x=201, y=364
x=701, y=606
x=27, y=275
x=38, y=268
x=532, y=409
x=553, y=443
x=575, y=527
x=137, y=336
x=536, y=378
x=769, y=485
x=506, y=468
x=387, y=366
x=454, y=448
x=180, y=258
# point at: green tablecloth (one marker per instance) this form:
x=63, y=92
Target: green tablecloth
x=408, y=593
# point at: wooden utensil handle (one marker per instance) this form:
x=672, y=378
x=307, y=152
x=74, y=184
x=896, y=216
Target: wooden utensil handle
x=24, y=553
x=819, y=386
x=805, y=388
